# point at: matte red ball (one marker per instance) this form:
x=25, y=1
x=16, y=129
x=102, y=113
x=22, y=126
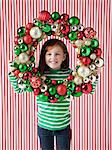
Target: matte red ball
x=27, y=39
x=44, y=16
x=29, y=26
x=86, y=60
x=61, y=89
x=86, y=88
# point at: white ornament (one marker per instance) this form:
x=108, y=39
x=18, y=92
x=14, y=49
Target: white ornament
x=99, y=62
x=87, y=42
x=92, y=66
x=84, y=71
x=35, y=32
x=78, y=80
x=93, y=56
x=43, y=88
x=78, y=43
x=23, y=58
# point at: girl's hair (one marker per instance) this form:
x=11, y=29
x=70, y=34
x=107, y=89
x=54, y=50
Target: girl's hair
x=52, y=42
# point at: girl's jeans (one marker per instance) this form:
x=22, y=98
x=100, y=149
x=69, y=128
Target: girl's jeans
x=47, y=138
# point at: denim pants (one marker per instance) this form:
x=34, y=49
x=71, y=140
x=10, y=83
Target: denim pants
x=47, y=138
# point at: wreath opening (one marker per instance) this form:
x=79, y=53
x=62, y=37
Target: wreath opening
x=25, y=77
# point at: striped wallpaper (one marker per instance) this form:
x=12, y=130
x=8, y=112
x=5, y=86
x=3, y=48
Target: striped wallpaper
x=91, y=116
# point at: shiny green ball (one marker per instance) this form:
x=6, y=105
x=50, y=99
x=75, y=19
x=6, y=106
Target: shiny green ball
x=71, y=86
x=23, y=47
x=72, y=35
x=29, y=89
x=23, y=67
x=38, y=23
x=55, y=16
x=17, y=50
x=32, y=59
x=52, y=90
x=74, y=21
x=94, y=43
x=21, y=31
x=61, y=98
x=85, y=51
x=42, y=97
x=78, y=94
x=46, y=28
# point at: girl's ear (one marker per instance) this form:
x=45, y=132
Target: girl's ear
x=64, y=57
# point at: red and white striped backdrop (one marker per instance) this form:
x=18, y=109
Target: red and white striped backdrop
x=91, y=116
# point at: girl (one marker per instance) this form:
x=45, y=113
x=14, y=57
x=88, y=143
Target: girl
x=54, y=118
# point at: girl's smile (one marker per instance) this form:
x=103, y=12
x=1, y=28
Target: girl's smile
x=54, y=57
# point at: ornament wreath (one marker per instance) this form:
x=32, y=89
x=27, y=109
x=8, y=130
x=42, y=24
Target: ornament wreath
x=23, y=74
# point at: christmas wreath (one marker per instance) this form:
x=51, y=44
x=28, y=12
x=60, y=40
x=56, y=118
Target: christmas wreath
x=23, y=74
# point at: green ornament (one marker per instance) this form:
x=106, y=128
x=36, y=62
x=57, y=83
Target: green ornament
x=15, y=64
x=85, y=51
x=52, y=90
x=29, y=68
x=78, y=94
x=46, y=28
x=71, y=86
x=61, y=98
x=60, y=81
x=23, y=47
x=69, y=92
x=42, y=97
x=57, y=96
x=48, y=81
x=49, y=33
x=72, y=35
x=38, y=23
x=74, y=21
x=17, y=50
x=23, y=67
x=55, y=16
x=21, y=31
x=32, y=58
x=94, y=43
x=29, y=89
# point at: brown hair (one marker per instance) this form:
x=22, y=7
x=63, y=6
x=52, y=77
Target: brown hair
x=52, y=42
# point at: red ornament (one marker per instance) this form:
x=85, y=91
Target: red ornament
x=86, y=60
x=16, y=73
x=29, y=26
x=65, y=29
x=27, y=32
x=61, y=89
x=80, y=35
x=35, y=82
x=35, y=70
x=16, y=40
x=70, y=77
x=27, y=39
x=44, y=16
x=98, y=52
x=36, y=91
x=54, y=100
x=54, y=82
x=89, y=32
x=64, y=17
x=78, y=89
x=59, y=21
x=46, y=93
x=86, y=88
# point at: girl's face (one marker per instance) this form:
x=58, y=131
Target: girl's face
x=54, y=57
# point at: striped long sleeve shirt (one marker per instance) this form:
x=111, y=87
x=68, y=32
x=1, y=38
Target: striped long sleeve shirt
x=54, y=116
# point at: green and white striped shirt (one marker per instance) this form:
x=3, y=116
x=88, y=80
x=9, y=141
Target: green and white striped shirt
x=54, y=116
